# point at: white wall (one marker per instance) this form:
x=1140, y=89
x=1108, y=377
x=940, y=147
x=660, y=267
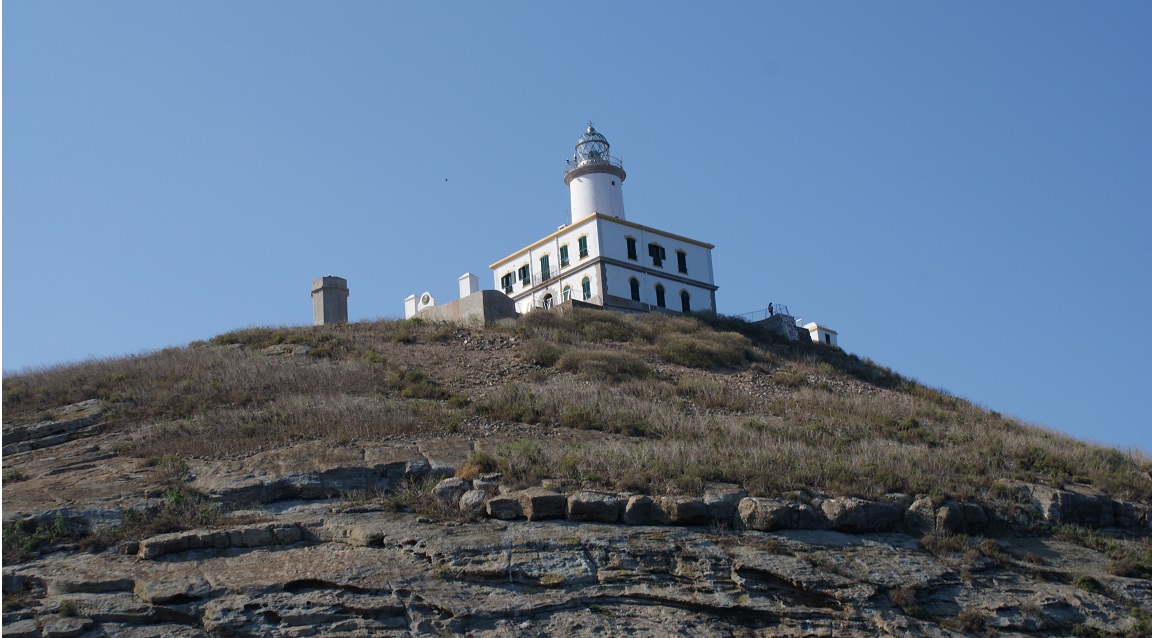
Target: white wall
x=821, y=334
x=597, y=193
x=613, y=244
x=700, y=298
x=570, y=236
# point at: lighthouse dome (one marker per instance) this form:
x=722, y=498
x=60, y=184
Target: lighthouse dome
x=592, y=147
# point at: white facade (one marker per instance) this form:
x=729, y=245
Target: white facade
x=602, y=258
x=610, y=269
x=821, y=334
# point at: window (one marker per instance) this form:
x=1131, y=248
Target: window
x=631, y=247
x=586, y=284
x=828, y=339
x=635, y=286
x=583, y=243
x=567, y=293
x=660, y=296
x=526, y=275
x=681, y=261
x=548, y=301
x=506, y=283
x=545, y=273
x=564, y=255
x=656, y=252
x=685, y=301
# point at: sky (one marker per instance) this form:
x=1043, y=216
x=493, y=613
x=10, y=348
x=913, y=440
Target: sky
x=961, y=190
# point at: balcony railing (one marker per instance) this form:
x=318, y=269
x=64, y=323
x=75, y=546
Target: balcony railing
x=760, y=315
x=571, y=164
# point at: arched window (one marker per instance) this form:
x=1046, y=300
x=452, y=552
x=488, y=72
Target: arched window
x=660, y=296
x=635, y=286
x=685, y=301
x=548, y=301
x=567, y=293
x=586, y=285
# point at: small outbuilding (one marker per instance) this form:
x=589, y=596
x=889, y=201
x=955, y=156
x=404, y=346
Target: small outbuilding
x=821, y=334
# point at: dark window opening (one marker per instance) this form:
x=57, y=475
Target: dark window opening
x=526, y=274
x=681, y=261
x=506, y=283
x=635, y=286
x=660, y=296
x=828, y=339
x=631, y=247
x=656, y=252
x=685, y=301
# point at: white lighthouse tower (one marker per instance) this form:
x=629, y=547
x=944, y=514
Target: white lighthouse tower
x=595, y=178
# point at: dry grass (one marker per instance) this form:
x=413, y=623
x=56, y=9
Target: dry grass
x=695, y=404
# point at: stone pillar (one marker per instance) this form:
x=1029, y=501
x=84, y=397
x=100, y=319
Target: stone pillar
x=329, y=301
x=469, y=284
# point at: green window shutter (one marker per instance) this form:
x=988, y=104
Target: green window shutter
x=563, y=255
x=545, y=273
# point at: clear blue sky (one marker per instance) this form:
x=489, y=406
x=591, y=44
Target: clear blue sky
x=962, y=190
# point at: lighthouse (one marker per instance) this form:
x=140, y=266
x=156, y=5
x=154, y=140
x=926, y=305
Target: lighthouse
x=595, y=178
x=601, y=258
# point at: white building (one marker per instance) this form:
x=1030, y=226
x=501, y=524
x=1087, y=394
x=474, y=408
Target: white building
x=602, y=258
x=822, y=334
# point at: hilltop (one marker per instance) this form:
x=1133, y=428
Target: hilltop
x=271, y=470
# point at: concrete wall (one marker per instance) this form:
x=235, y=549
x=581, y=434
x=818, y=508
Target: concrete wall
x=485, y=306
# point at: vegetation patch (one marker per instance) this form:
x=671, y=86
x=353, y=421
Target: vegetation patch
x=603, y=365
x=704, y=349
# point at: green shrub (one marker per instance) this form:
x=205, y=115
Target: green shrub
x=480, y=462
x=1091, y=585
x=968, y=621
x=522, y=462
x=597, y=325
x=512, y=403
x=542, y=353
x=67, y=608
x=704, y=349
x=23, y=539
x=905, y=599
x=711, y=393
x=788, y=379
x=603, y=365
x=414, y=384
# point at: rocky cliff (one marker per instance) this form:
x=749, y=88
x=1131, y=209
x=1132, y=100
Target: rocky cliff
x=484, y=523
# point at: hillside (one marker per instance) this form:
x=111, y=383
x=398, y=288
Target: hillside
x=227, y=487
